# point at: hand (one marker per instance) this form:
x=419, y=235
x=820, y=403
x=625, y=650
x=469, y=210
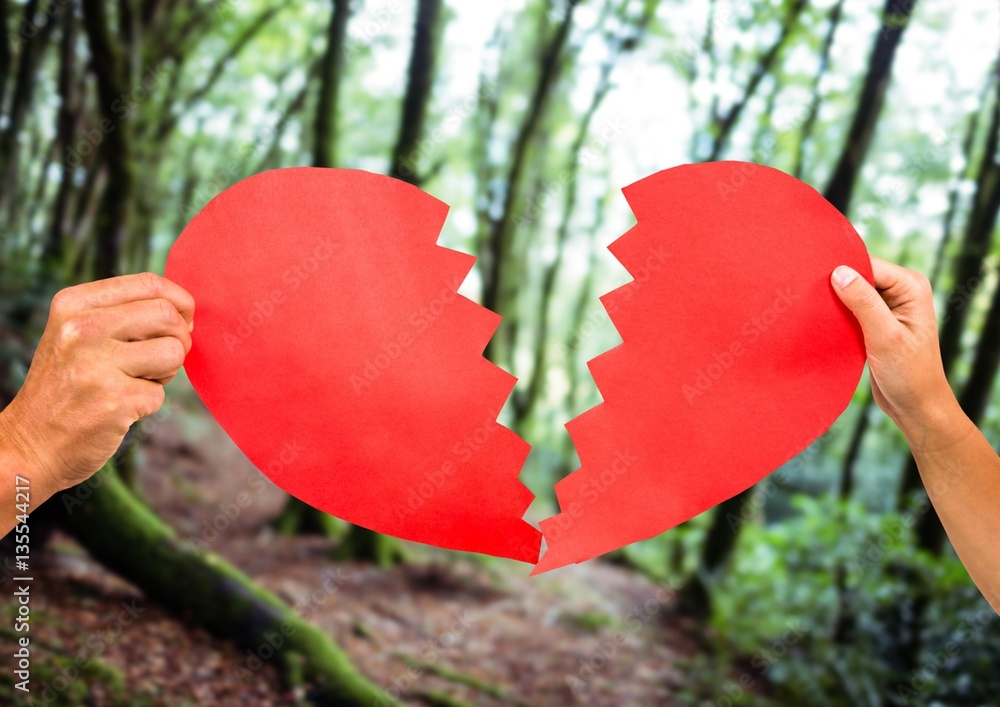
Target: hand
x=107, y=350
x=901, y=337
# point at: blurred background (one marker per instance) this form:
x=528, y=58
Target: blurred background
x=180, y=575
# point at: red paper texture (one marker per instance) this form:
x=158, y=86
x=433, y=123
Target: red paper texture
x=736, y=353
x=332, y=347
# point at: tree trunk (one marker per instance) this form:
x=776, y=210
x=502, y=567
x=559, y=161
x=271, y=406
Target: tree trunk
x=724, y=125
x=5, y=54
x=24, y=90
x=364, y=545
x=854, y=447
x=954, y=193
x=112, y=220
x=500, y=230
x=814, y=104
x=976, y=393
x=695, y=595
x=895, y=18
x=66, y=121
x=331, y=72
x=427, y=33
x=299, y=518
x=130, y=540
x=272, y=154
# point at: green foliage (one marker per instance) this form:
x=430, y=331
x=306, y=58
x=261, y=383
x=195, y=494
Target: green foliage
x=587, y=621
x=777, y=608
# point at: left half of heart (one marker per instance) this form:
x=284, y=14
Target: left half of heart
x=334, y=349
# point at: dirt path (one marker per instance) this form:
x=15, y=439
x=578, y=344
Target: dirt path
x=477, y=629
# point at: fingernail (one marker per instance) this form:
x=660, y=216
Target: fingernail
x=191, y=326
x=843, y=276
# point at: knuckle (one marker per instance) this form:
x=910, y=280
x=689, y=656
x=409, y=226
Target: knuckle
x=82, y=382
x=151, y=402
x=72, y=329
x=167, y=311
x=112, y=407
x=175, y=352
x=183, y=296
x=61, y=301
x=116, y=351
x=151, y=282
x=869, y=300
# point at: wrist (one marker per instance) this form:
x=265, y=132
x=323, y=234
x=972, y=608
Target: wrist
x=938, y=424
x=19, y=455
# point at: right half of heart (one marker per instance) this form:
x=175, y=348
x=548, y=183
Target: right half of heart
x=736, y=353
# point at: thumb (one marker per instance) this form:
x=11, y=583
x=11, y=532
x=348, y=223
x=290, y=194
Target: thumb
x=865, y=303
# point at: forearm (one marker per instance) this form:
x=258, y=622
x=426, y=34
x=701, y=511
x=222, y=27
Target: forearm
x=23, y=484
x=961, y=473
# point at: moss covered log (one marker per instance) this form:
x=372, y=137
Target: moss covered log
x=130, y=540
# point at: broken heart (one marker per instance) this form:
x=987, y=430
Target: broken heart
x=328, y=318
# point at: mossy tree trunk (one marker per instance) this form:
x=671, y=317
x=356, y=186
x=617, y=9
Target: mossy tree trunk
x=363, y=545
x=299, y=518
x=130, y=540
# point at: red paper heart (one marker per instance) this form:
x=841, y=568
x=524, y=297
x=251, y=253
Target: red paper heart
x=736, y=353
x=332, y=347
